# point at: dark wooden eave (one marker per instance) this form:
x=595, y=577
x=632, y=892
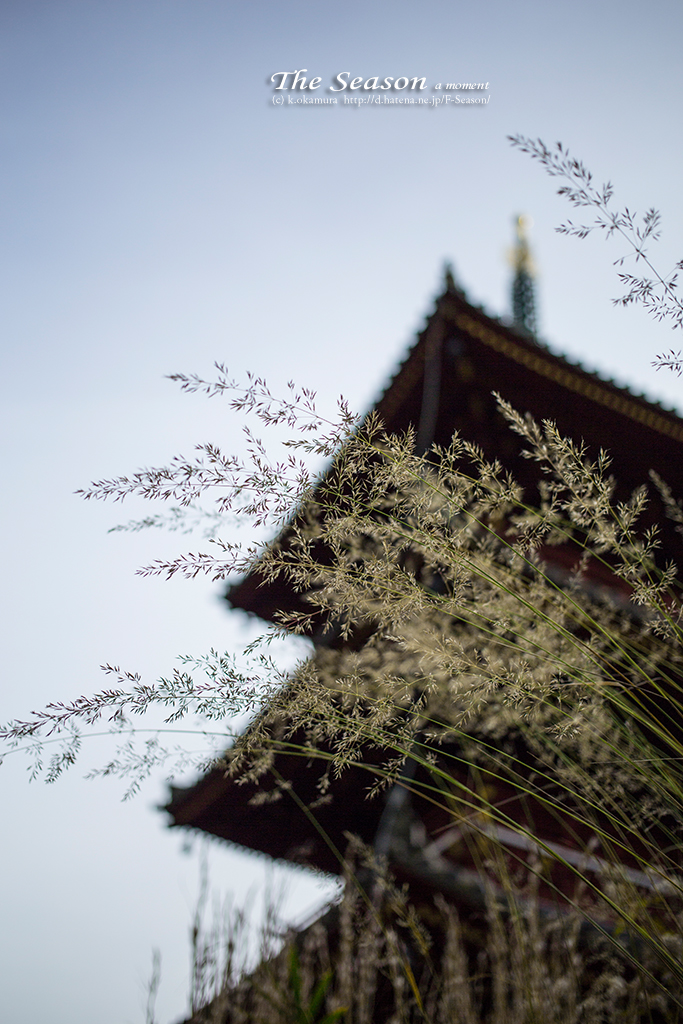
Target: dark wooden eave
x=223, y=807
x=446, y=383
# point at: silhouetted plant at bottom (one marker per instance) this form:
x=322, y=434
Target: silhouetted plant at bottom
x=363, y=962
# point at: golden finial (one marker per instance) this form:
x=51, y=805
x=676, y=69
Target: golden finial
x=520, y=256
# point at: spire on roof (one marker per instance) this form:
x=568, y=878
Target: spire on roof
x=452, y=287
x=523, y=292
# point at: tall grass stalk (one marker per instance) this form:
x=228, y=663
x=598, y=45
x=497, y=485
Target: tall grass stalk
x=449, y=634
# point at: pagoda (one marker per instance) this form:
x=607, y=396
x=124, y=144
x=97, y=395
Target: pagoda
x=445, y=384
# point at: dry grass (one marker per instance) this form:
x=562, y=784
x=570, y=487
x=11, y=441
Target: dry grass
x=366, y=961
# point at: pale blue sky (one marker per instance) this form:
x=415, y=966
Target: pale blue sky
x=158, y=212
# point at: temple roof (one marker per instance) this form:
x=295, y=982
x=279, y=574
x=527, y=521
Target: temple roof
x=447, y=382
